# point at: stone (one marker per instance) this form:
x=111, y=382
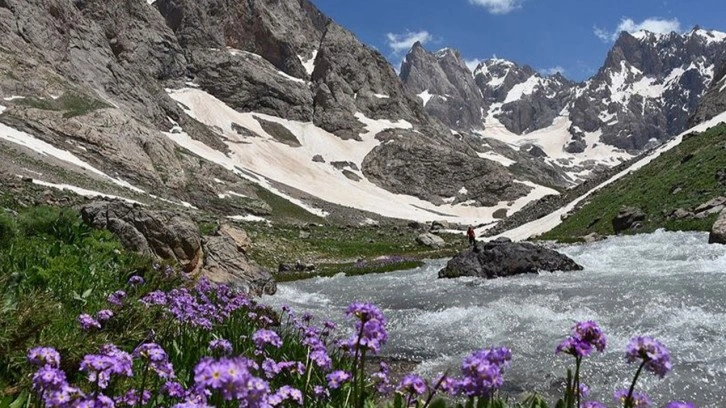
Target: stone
x=627, y=218
x=163, y=234
x=318, y=159
x=502, y=258
x=439, y=225
x=718, y=231
x=225, y=263
x=431, y=241
x=680, y=214
x=593, y=237
x=304, y=234
x=710, y=204
x=721, y=176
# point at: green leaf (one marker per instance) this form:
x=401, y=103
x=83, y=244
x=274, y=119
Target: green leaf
x=86, y=293
x=398, y=401
x=20, y=401
x=438, y=403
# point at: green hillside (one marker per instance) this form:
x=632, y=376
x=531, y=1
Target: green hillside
x=683, y=177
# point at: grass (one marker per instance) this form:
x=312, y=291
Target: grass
x=52, y=268
x=284, y=210
x=71, y=104
x=683, y=177
x=350, y=269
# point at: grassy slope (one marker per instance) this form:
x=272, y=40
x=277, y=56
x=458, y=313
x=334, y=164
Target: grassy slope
x=691, y=166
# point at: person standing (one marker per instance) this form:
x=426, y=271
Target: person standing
x=471, y=235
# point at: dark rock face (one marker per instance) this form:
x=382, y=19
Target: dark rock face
x=502, y=258
x=455, y=100
x=714, y=101
x=718, y=231
x=628, y=218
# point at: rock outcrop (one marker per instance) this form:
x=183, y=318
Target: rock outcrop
x=430, y=240
x=161, y=234
x=502, y=257
x=175, y=237
x=718, y=231
x=628, y=218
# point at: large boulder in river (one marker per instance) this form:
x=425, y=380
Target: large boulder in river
x=503, y=257
x=628, y=218
x=718, y=231
x=163, y=234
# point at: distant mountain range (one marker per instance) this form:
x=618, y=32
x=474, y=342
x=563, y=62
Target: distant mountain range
x=207, y=104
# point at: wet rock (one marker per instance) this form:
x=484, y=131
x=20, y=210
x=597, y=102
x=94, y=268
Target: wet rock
x=718, y=231
x=628, y=218
x=502, y=258
x=431, y=241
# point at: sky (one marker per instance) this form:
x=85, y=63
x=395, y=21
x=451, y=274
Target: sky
x=567, y=36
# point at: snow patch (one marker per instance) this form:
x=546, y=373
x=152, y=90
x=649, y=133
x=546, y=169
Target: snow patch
x=463, y=191
x=525, y=88
x=82, y=191
x=554, y=219
x=2, y=109
x=711, y=36
x=381, y=96
x=291, y=78
x=425, y=96
x=309, y=64
x=14, y=97
x=496, y=157
x=248, y=218
x=26, y=140
x=218, y=181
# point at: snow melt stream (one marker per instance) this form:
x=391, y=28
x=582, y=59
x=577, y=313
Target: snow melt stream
x=668, y=284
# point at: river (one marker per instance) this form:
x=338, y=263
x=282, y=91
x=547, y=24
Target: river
x=671, y=285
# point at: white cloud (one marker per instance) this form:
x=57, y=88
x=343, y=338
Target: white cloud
x=498, y=6
x=653, y=24
x=552, y=71
x=403, y=42
x=473, y=63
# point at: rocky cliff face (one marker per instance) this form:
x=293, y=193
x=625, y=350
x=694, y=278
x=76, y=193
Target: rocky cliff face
x=714, y=101
x=86, y=92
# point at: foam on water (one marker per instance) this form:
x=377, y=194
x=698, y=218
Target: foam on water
x=667, y=284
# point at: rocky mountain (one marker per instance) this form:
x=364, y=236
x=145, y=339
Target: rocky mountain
x=203, y=102
x=648, y=87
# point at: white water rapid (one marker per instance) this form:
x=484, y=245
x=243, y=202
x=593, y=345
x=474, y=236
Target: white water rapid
x=670, y=285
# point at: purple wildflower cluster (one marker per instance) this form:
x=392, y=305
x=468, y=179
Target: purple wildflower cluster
x=264, y=337
x=202, y=306
x=156, y=358
x=136, y=280
x=231, y=377
x=117, y=298
x=482, y=372
x=370, y=328
x=221, y=345
x=584, y=337
x=653, y=354
x=109, y=362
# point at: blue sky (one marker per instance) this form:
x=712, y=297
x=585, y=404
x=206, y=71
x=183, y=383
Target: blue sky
x=572, y=36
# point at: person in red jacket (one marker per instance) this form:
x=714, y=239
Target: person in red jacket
x=472, y=236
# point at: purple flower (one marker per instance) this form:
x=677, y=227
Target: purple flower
x=48, y=378
x=136, y=280
x=337, y=378
x=156, y=297
x=370, y=331
x=220, y=345
x=116, y=298
x=263, y=337
x=365, y=312
x=654, y=354
x=590, y=333
x=103, y=315
x=412, y=384
x=584, y=390
x=157, y=358
x=41, y=356
x=131, y=398
x=592, y=404
x=285, y=393
x=321, y=392
x=680, y=404
x=231, y=377
x=110, y=361
x=87, y=322
x=640, y=399
x=482, y=372
x=321, y=359
x=574, y=347
x=447, y=385
x=173, y=389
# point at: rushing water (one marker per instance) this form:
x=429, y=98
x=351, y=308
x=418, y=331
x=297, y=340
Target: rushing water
x=669, y=285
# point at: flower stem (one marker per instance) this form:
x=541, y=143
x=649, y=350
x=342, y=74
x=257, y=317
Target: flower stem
x=629, y=398
x=578, y=360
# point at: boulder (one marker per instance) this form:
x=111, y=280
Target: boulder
x=593, y=237
x=227, y=263
x=163, y=234
x=711, y=206
x=318, y=159
x=718, y=231
x=502, y=258
x=628, y=218
x=680, y=214
x=431, y=240
x=439, y=225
